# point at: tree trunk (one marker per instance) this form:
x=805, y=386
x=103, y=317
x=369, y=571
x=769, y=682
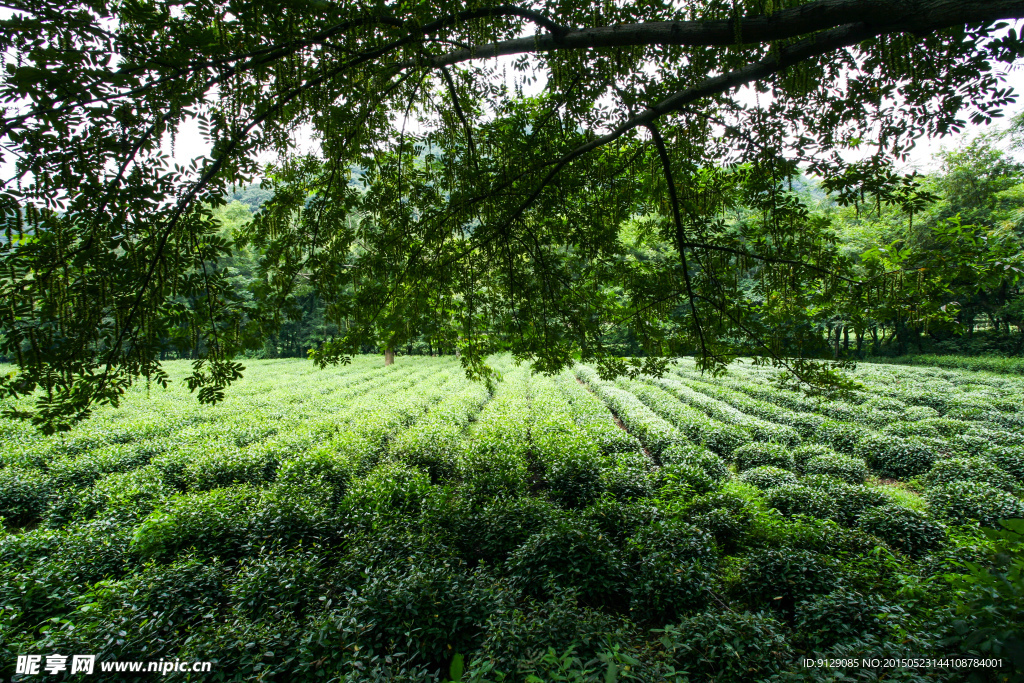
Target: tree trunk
x=389, y=355
x=846, y=341
x=835, y=344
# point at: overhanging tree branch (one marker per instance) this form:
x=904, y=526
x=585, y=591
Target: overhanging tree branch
x=894, y=15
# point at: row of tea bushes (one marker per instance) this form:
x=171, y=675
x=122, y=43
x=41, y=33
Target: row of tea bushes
x=407, y=523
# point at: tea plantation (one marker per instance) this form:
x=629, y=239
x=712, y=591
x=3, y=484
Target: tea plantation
x=401, y=523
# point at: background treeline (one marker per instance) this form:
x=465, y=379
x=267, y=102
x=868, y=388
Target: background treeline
x=944, y=251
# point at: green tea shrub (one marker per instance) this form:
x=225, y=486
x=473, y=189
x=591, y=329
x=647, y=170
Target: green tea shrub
x=43, y=573
x=662, y=588
x=989, y=598
x=729, y=646
x=213, y=522
x=891, y=456
x=762, y=454
x=850, y=500
x=976, y=469
x=767, y=477
x=654, y=432
x=1009, y=458
x=24, y=494
x=885, y=404
x=323, y=468
x=671, y=570
x=797, y=499
x=574, y=480
x=804, y=453
x=172, y=464
x=490, y=475
x=726, y=515
x=427, y=607
x=806, y=424
x=724, y=439
x=135, y=493
x=143, y=615
x=688, y=454
x=504, y=525
x=919, y=413
x=620, y=520
x=850, y=469
x=628, y=477
x=998, y=437
x=690, y=421
x=683, y=481
x=843, y=437
x=778, y=578
x=762, y=430
x=287, y=514
x=391, y=490
x=961, y=502
x=80, y=471
x=255, y=465
x=520, y=634
x=433, y=447
x=826, y=620
x=269, y=650
x=910, y=531
x=682, y=541
x=683, y=450
x=571, y=553
x=939, y=427
x=370, y=550
x=277, y=584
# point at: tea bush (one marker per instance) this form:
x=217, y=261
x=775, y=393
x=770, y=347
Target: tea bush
x=896, y=458
x=804, y=453
x=684, y=481
x=571, y=553
x=767, y=477
x=763, y=454
x=850, y=500
x=725, y=515
x=975, y=469
x=797, y=499
x=213, y=522
x=24, y=494
x=904, y=529
x=849, y=469
x=840, y=616
x=365, y=523
x=778, y=578
x=729, y=646
x=961, y=502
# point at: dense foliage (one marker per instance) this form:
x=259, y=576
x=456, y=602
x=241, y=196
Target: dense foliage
x=629, y=175
x=403, y=523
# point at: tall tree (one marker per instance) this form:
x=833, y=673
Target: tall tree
x=496, y=212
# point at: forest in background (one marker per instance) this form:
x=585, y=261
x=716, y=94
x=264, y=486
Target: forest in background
x=956, y=260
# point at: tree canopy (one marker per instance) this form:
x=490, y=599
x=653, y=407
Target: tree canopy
x=442, y=196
